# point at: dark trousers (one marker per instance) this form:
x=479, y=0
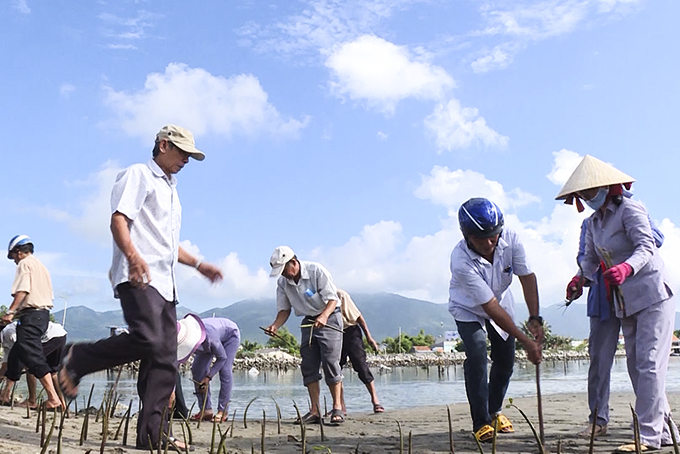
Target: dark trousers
x=353, y=348
x=485, y=396
x=152, y=339
x=28, y=349
x=53, y=350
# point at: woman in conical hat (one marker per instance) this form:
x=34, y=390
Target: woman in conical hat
x=619, y=235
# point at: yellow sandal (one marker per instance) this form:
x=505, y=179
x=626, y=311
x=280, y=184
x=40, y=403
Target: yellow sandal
x=484, y=434
x=504, y=424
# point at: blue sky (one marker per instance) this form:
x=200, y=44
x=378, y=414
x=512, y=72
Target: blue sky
x=348, y=130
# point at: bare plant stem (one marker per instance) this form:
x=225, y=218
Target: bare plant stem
x=245, y=412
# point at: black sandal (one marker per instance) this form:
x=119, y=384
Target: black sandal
x=337, y=417
x=308, y=418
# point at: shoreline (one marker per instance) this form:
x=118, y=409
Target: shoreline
x=274, y=363
x=564, y=415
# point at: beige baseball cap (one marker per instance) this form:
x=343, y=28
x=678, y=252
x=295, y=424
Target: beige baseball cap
x=592, y=173
x=182, y=138
x=280, y=257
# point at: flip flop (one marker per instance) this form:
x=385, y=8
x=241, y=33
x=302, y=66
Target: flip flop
x=377, y=408
x=66, y=378
x=206, y=417
x=484, y=434
x=308, y=418
x=174, y=446
x=630, y=447
x=337, y=418
x=504, y=424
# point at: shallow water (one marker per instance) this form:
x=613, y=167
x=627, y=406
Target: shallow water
x=397, y=388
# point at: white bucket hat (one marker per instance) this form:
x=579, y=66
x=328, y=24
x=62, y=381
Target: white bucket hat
x=190, y=335
x=279, y=258
x=592, y=173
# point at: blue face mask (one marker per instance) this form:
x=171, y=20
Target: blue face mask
x=596, y=202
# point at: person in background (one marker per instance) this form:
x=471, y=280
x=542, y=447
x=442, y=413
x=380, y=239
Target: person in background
x=32, y=292
x=222, y=339
x=308, y=288
x=353, y=347
x=482, y=266
x=619, y=236
x=53, y=342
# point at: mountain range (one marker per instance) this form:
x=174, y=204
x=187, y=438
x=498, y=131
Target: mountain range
x=385, y=314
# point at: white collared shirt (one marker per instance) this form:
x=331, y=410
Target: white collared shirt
x=475, y=281
x=149, y=199
x=310, y=295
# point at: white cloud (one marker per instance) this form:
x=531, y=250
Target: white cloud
x=121, y=31
x=525, y=22
x=564, y=163
x=382, y=73
x=381, y=135
x=450, y=188
x=500, y=57
x=239, y=283
x=21, y=6
x=66, y=89
x=92, y=216
x=455, y=128
x=321, y=25
x=202, y=102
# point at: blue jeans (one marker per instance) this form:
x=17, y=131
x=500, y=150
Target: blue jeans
x=485, y=396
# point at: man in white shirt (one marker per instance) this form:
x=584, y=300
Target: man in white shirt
x=308, y=288
x=145, y=223
x=482, y=266
x=53, y=342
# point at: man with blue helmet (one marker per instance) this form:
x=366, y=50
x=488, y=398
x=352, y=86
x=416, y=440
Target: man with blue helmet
x=32, y=293
x=482, y=266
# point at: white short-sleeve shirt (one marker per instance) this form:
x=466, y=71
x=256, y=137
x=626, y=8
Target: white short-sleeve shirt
x=310, y=295
x=149, y=199
x=475, y=281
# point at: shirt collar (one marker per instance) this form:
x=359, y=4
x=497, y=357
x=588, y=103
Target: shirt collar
x=304, y=274
x=157, y=171
x=500, y=246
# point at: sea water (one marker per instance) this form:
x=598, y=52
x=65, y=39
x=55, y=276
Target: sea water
x=397, y=388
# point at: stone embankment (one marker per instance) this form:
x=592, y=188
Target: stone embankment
x=261, y=362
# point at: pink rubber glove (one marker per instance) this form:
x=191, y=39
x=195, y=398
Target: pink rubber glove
x=617, y=274
x=574, y=289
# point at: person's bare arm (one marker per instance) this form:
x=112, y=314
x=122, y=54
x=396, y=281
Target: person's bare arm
x=323, y=317
x=494, y=310
x=364, y=326
x=530, y=289
x=213, y=273
x=138, y=270
x=280, y=320
x=19, y=298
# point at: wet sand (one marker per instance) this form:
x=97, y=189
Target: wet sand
x=564, y=415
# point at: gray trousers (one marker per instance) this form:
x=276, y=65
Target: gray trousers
x=648, y=335
x=602, y=342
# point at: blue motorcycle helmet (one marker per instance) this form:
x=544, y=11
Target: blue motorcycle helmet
x=480, y=218
x=15, y=242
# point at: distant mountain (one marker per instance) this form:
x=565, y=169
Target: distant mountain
x=384, y=312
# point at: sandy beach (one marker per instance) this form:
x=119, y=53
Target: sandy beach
x=564, y=414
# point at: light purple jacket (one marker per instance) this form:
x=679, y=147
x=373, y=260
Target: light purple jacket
x=625, y=233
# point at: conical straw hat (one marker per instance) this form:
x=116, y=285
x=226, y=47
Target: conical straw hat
x=592, y=173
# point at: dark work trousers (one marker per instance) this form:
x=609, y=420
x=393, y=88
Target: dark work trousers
x=53, y=350
x=181, y=410
x=353, y=348
x=152, y=339
x=485, y=395
x=28, y=349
